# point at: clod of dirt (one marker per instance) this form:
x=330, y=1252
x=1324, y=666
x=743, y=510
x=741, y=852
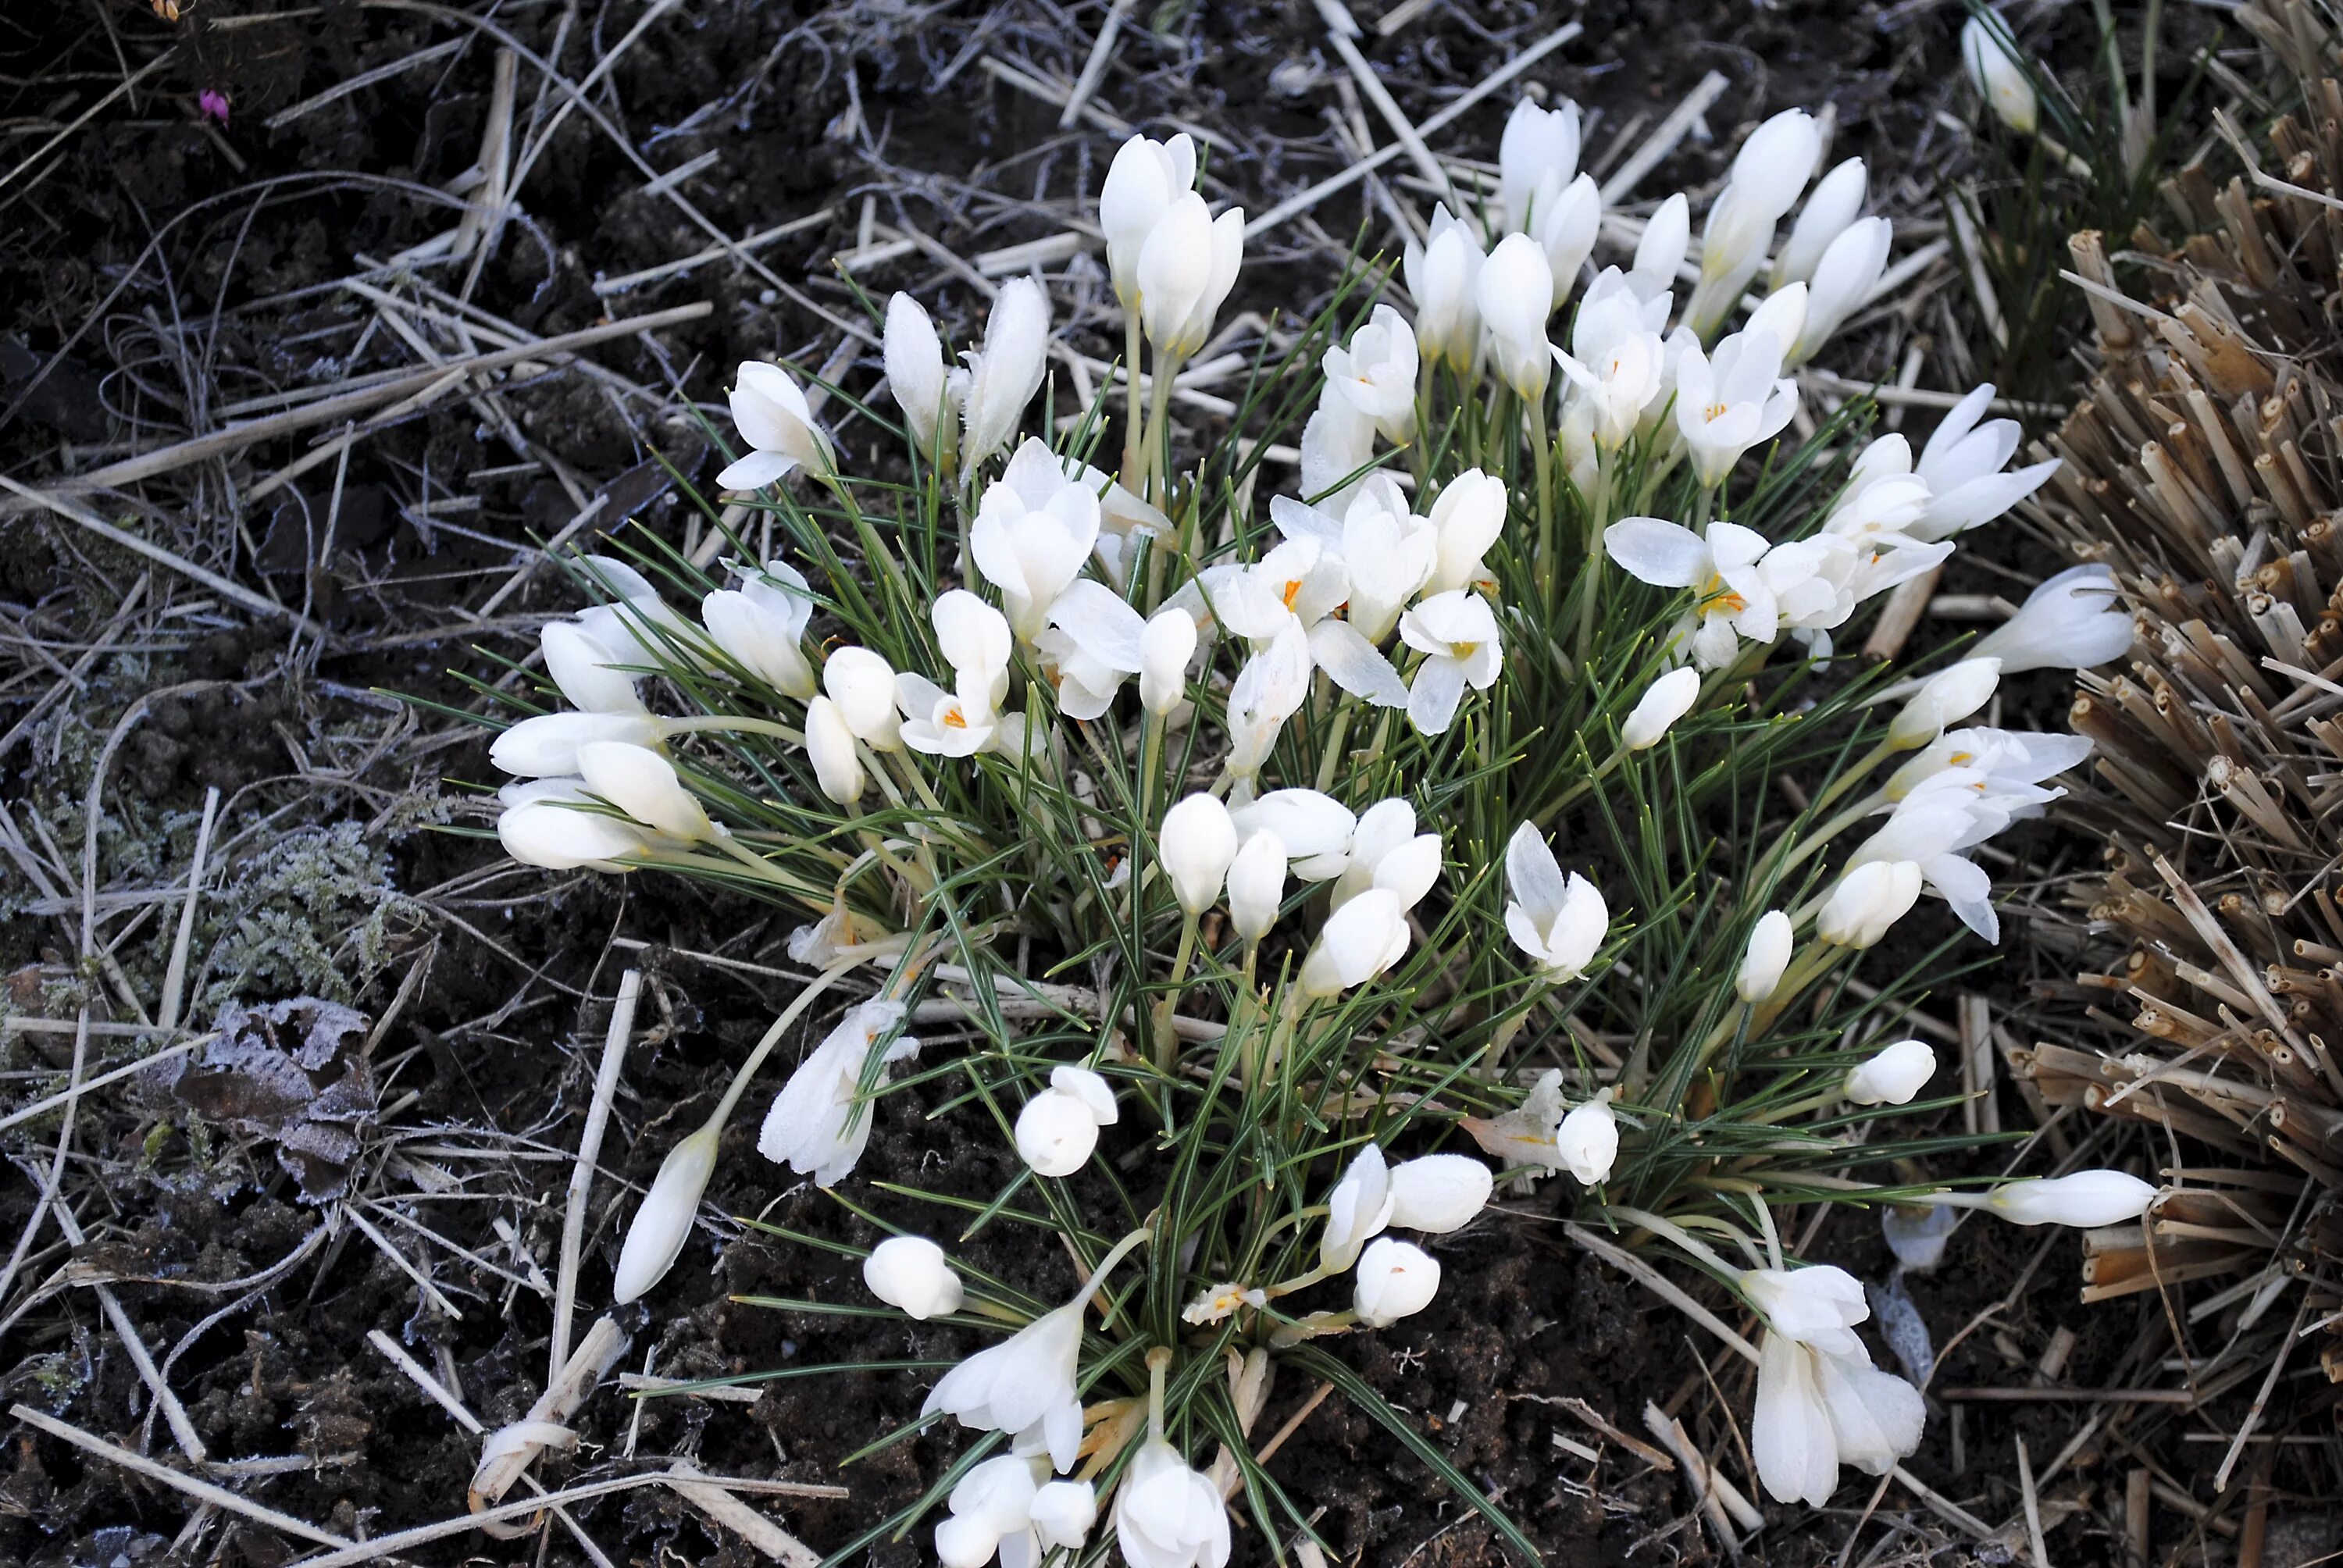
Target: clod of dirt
x=289, y=1073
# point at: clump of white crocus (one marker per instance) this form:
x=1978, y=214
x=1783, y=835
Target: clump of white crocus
x=1004, y=374
x=1990, y=53
x=1835, y=203
x=1357, y=1209
x=912, y=1274
x=819, y=1125
x=1515, y=294
x=1664, y=702
x=2085, y=1199
x=1866, y=901
x=770, y=411
x=645, y=786
x=862, y=685
x=1559, y=924
x=829, y=747
x=1145, y=178
x=1167, y=1515
x=1961, y=465
x=1257, y=884
x=587, y=669
x=1437, y=1193
x=2073, y=621
x=916, y=378
x=1820, y=1402
x=547, y=746
x=1843, y=282
x=1358, y=942
x=1443, y=277
x=1456, y=632
x=1375, y=375
x=1944, y=699
x=1586, y=1143
x=1396, y=1279
x=664, y=1222
x=1059, y=1126
x=1768, y=957
x=1186, y=268
x=1893, y=1076
x=542, y=825
x=760, y=626
x=1194, y=846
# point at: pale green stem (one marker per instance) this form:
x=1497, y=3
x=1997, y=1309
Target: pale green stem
x=705, y=722
x=1134, y=439
x=790, y=1015
x=1691, y=1245
x=1598, y=516
x=1167, y=1039
x=1159, y=1361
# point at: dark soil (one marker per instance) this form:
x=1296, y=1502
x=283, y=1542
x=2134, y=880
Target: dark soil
x=155, y=267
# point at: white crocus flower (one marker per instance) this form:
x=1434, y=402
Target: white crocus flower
x=645, y=786
x=1734, y=600
x=1768, y=955
x=1167, y=1515
x=862, y=684
x=1376, y=374
x=1768, y=173
x=1559, y=924
x=2073, y=621
x=1659, y=257
x=1818, y=581
x=916, y=378
x=1005, y=373
x=2005, y=762
x=1845, y=280
x=1357, y=1209
x=1058, y=1127
x=1358, y=942
x=1166, y=644
x=1617, y=363
x=991, y=1510
x=1033, y=530
x=831, y=749
x=1820, y=1402
x=1836, y=202
x=1945, y=698
x=818, y=1125
x=1537, y=155
x=1257, y=884
x=542, y=826
x=1893, y=1076
x=1315, y=829
x=1866, y=901
x=1442, y=277
x=1456, y=632
x=1269, y=690
x=1818, y=1306
x=588, y=671
x=1337, y=441
x=2086, y=1198
x=1586, y=1143
x=1882, y=499
x=1063, y=1514
x=760, y=626
x=1565, y=227
x=1186, y=268
x=912, y=1274
x=1142, y=183
x=1962, y=464
x=1465, y=520
x=1094, y=644
x=664, y=1222
x=1298, y=584
x=1396, y=1279
x=1515, y=294
x=547, y=746
x=1194, y=847
x=1664, y=702
x=1930, y=828
x=975, y=640
x=770, y=411
x=1387, y=852
x=1437, y=1193
x=1730, y=404
x=1990, y=53
x=1023, y=1385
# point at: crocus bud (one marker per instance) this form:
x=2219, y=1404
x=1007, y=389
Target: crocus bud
x=1257, y=884
x=1196, y=844
x=1059, y=1126
x=2073, y=621
x=1536, y=156
x=1063, y=1514
x=1567, y=230
x=1815, y=1306
x=1768, y=956
x=829, y=747
x=770, y=411
x=1843, y=279
x=1007, y=371
x=1986, y=48
x=1944, y=699
x=914, y=357
x=862, y=684
x=1866, y=901
x=583, y=666
x=546, y=746
x=1438, y=1192
x=1836, y=202
x=1142, y=183
x=760, y=626
x=1894, y=1075
x=664, y=1221
x=643, y=784
x=1396, y=1279
x=1186, y=268
x=993, y=1502
x=1167, y=1515
x=1357, y=1209
x=560, y=837
x=1165, y=647
x=1467, y=518
x=913, y=1273
x=1358, y=942
x=1588, y=1142
x=1515, y=294
x=1664, y=702
x=1442, y=277
x=2086, y=1198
